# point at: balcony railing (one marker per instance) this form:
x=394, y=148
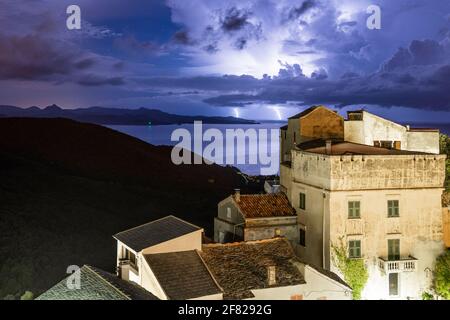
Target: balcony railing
x=408, y=264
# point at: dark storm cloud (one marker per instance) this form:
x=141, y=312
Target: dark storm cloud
x=417, y=84
x=297, y=12
x=85, y=63
x=234, y=20
x=95, y=81
x=211, y=48
x=419, y=53
x=134, y=47
x=32, y=57
x=182, y=37
x=241, y=43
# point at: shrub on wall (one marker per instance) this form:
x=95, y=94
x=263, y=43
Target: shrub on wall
x=354, y=270
x=445, y=149
x=442, y=275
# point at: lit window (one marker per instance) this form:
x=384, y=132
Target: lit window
x=302, y=237
x=354, y=209
x=354, y=249
x=302, y=201
x=393, y=208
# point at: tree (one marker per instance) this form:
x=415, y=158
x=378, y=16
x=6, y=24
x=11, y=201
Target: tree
x=28, y=295
x=354, y=270
x=442, y=275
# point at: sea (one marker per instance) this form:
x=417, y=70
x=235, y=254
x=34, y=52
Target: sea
x=160, y=135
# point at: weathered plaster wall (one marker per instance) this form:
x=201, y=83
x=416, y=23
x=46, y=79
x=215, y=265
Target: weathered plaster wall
x=419, y=229
x=373, y=128
x=384, y=172
x=191, y=241
x=424, y=141
x=322, y=123
x=259, y=229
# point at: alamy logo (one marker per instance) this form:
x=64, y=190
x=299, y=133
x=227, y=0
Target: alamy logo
x=374, y=20
x=73, y=21
x=212, y=146
x=73, y=281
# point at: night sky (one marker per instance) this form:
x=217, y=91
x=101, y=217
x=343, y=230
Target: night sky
x=258, y=59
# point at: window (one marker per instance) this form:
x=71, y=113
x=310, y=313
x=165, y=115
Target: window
x=221, y=237
x=386, y=144
x=354, y=249
x=377, y=144
x=354, y=209
x=277, y=232
x=393, y=284
x=295, y=137
x=393, y=208
x=130, y=256
x=302, y=201
x=229, y=213
x=397, y=145
x=302, y=237
x=394, y=249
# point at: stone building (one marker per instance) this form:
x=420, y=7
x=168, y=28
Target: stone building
x=270, y=270
x=366, y=128
x=317, y=122
x=384, y=205
x=255, y=217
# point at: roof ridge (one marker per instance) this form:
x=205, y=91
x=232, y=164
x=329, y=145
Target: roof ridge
x=238, y=243
x=209, y=271
x=153, y=221
x=107, y=282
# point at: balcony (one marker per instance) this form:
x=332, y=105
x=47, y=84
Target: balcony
x=408, y=264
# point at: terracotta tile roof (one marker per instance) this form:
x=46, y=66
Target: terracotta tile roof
x=242, y=267
x=264, y=205
x=182, y=275
x=97, y=284
x=155, y=232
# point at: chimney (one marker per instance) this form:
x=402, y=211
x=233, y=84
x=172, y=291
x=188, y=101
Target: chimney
x=408, y=127
x=237, y=194
x=328, y=147
x=271, y=275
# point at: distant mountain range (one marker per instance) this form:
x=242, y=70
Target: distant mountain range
x=114, y=116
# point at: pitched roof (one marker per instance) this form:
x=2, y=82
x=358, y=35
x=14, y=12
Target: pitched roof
x=327, y=273
x=264, y=205
x=242, y=267
x=349, y=148
x=182, y=275
x=155, y=232
x=96, y=284
x=304, y=112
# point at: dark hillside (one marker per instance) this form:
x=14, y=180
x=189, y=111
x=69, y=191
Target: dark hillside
x=67, y=187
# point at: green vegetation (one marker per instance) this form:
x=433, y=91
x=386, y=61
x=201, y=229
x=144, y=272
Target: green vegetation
x=427, y=296
x=445, y=149
x=28, y=295
x=354, y=270
x=442, y=275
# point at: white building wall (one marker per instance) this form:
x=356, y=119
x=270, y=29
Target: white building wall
x=374, y=128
